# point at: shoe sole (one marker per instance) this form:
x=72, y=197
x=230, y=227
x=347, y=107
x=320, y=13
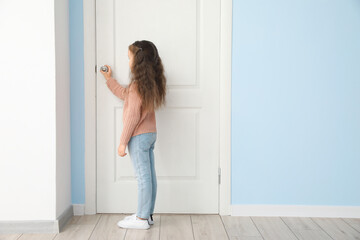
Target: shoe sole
x=120, y=225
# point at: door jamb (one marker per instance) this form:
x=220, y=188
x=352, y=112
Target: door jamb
x=89, y=13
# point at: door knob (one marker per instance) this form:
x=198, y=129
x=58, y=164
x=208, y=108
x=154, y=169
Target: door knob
x=104, y=68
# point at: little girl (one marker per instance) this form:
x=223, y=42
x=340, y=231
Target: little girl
x=145, y=93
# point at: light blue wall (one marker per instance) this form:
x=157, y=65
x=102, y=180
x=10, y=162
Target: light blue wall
x=296, y=102
x=77, y=101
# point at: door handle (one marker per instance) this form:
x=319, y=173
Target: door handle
x=104, y=68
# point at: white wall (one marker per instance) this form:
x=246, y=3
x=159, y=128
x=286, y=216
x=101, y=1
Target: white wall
x=63, y=144
x=29, y=160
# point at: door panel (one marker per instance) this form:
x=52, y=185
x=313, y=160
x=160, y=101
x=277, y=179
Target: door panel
x=186, y=33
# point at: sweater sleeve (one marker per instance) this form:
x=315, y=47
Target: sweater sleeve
x=116, y=88
x=131, y=116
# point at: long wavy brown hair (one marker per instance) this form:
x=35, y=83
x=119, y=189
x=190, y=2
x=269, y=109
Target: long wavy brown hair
x=148, y=72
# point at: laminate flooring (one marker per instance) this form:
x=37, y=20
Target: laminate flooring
x=202, y=227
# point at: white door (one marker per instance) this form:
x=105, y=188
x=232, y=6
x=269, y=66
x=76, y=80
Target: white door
x=187, y=34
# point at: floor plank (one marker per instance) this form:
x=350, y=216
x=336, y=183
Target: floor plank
x=9, y=236
x=353, y=222
x=176, y=226
x=273, y=228
x=208, y=226
x=337, y=228
x=107, y=227
x=150, y=234
x=37, y=236
x=305, y=228
x=241, y=228
x=79, y=227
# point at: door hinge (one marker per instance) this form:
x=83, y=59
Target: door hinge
x=219, y=174
x=96, y=68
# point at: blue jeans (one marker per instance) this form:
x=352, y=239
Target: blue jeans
x=142, y=156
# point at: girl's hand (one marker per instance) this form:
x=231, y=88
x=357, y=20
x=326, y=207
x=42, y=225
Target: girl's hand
x=121, y=150
x=107, y=74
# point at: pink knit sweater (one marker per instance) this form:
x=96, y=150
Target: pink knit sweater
x=135, y=120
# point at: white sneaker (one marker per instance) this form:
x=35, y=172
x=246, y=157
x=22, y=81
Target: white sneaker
x=133, y=216
x=135, y=223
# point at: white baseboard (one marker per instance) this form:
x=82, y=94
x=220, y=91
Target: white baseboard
x=296, y=211
x=37, y=226
x=64, y=218
x=79, y=209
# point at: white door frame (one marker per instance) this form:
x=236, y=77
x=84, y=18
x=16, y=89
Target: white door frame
x=89, y=11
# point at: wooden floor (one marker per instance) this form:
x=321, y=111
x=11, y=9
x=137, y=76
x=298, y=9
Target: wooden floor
x=184, y=227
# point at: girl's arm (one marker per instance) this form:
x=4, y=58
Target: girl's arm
x=131, y=116
x=116, y=88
